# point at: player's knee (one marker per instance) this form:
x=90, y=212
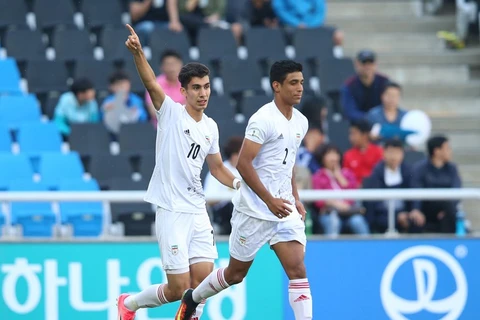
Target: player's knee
x=235, y=276
x=177, y=288
x=297, y=271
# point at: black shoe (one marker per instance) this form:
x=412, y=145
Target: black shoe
x=187, y=306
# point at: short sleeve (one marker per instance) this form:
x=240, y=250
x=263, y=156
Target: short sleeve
x=257, y=130
x=169, y=111
x=215, y=147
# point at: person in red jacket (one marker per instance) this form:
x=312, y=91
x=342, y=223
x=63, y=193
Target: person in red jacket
x=364, y=155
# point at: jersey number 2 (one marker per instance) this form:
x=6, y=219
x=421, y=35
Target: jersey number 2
x=195, y=148
x=286, y=155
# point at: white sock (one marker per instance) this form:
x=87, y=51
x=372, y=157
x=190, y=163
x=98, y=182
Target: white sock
x=210, y=286
x=151, y=297
x=300, y=299
x=199, y=311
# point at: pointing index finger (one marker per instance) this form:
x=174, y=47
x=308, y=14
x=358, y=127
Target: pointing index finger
x=132, y=32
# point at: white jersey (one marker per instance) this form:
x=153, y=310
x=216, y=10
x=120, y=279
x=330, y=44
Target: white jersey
x=280, y=139
x=181, y=148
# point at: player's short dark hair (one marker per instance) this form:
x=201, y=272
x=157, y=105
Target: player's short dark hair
x=192, y=70
x=170, y=53
x=118, y=76
x=233, y=146
x=435, y=142
x=361, y=125
x=322, y=151
x=280, y=70
x=393, y=143
x=392, y=84
x=81, y=85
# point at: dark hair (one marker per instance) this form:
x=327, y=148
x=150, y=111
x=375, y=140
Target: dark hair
x=170, y=53
x=192, y=70
x=81, y=85
x=392, y=84
x=280, y=70
x=362, y=125
x=314, y=126
x=322, y=151
x=233, y=146
x=435, y=142
x=393, y=143
x=118, y=76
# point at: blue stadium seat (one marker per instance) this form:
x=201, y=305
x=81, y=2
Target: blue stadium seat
x=35, y=138
x=5, y=139
x=15, y=110
x=14, y=167
x=2, y=221
x=55, y=167
x=37, y=219
x=10, y=79
x=86, y=218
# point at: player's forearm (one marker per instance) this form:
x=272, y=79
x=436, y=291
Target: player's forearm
x=250, y=177
x=148, y=79
x=224, y=176
x=294, y=188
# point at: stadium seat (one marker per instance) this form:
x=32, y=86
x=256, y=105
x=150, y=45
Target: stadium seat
x=333, y=73
x=72, y=44
x=412, y=156
x=55, y=167
x=146, y=165
x=37, y=219
x=163, y=39
x=18, y=109
x=12, y=13
x=104, y=167
x=49, y=104
x=220, y=109
x=14, y=167
x=2, y=222
x=265, y=44
x=96, y=71
x=120, y=183
x=35, y=138
x=137, y=218
x=44, y=76
x=241, y=75
x=313, y=43
x=24, y=44
x=216, y=44
x=338, y=134
x=89, y=138
x=48, y=18
x=86, y=218
x=231, y=129
x=136, y=138
x=10, y=77
x=250, y=105
x=130, y=69
x=5, y=139
x=113, y=44
x=97, y=14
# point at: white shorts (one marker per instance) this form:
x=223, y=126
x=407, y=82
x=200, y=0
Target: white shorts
x=184, y=239
x=249, y=234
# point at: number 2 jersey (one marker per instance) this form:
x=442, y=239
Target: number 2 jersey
x=280, y=139
x=181, y=148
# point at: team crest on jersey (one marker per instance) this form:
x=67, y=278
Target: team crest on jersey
x=242, y=240
x=298, y=135
x=174, y=250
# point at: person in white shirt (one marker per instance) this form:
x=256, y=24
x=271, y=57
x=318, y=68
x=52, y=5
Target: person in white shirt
x=267, y=207
x=222, y=210
x=186, y=137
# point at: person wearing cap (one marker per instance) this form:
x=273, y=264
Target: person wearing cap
x=363, y=91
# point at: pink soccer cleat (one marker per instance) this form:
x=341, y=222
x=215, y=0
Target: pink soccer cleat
x=123, y=312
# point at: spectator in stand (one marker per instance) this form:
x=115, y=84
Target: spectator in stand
x=122, y=105
x=76, y=106
x=222, y=211
x=363, y=91
x=364, y=155
x=170, y=66
x=436, y=172
x=386, y=118
x=333, y=214
x=146, y=15
x=259, y=13
x=311, y=142
x=391, y=173
x=305, y=14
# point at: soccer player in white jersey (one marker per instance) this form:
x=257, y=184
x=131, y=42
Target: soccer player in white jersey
x=267, y=207
x=185, y=138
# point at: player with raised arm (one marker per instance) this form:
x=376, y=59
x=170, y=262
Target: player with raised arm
x=267, y=207
x=185, y=138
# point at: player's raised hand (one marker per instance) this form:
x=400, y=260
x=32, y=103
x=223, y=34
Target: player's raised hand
x=133, y=42
x=279, y=207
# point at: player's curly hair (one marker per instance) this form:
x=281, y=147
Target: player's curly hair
x=280, y=70
x=192, y=70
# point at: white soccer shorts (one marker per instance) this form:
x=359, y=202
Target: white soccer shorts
x=249, y=234
x=184, y=239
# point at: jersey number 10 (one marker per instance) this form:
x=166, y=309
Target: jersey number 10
x=194, y=150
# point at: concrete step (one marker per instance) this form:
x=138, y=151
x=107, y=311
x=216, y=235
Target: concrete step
x=469, y=56
x=445, y=107
x=457, y=124
x=463, y=157
x=464, y=142
x=470, y=89
x=470, y=174
x=370, y=9
x=393, y=42
x=426, y=74
x=408, y=24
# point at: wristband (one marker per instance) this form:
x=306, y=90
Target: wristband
x=235, y=181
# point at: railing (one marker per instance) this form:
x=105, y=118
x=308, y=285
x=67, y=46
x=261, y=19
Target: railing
x=306, y=195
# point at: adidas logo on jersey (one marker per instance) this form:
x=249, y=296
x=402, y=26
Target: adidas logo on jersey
x=281, y=136
x=187, y=132
x=301, y=298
